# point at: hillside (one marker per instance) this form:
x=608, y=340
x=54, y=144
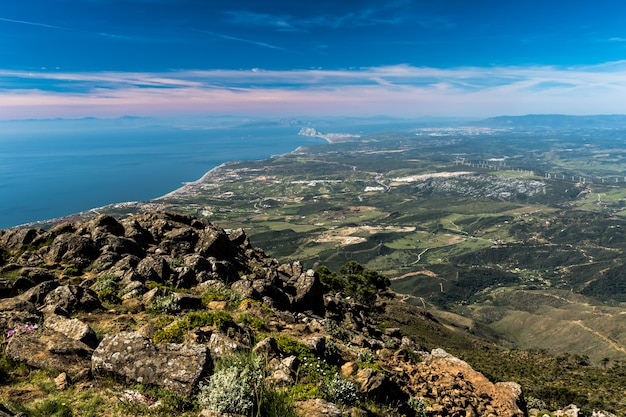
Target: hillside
x=162, y=313
x=515, y=236
x=165, y=314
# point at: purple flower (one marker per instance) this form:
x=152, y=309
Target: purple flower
x=11, y=332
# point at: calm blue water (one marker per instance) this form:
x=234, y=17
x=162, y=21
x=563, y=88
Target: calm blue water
x=55, y=169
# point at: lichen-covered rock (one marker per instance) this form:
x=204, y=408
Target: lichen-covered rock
x=51, y=350
x=221, y=345
x=317, y=408
x=176, y=367
x=72, y=328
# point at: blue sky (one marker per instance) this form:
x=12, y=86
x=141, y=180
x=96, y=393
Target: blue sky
x=409, y=58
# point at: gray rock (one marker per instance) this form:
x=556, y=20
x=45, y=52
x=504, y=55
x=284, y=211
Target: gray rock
x=307, y=293
x=72, y=248
x=267, y=348
x=176, y=367
x=38, y=293
x=72, y=328
x=16, y=304
x=220, y=345
x=71, y=299
x=51, y=350
x=154, y=269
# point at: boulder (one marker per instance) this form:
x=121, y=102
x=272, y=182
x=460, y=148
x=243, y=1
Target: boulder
x=72, y=248
x=220, y=345
x=153, y=269
x=376, y=385
x=17, y=304
x=449, y=384
x=317, y=408
x=13, y=319
x=213, y=241
x=15, y=239
x=51, y=350
x=37, y=275
x=71, y=299
x=104, y=224
x=38, y=293
x=72, y=328
x=176, y=367
x=307, y=293
x=267, y=348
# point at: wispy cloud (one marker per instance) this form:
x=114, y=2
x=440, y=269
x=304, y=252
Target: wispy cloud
x=68, y=29
x=248, y=18
x=253, y=42
x=401, y=90
x=384, y=13
x=24, y=22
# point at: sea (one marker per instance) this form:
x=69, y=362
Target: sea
x=58, y=167
x=55, y=168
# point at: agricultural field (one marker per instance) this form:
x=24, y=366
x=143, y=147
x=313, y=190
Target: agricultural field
x=514, y=234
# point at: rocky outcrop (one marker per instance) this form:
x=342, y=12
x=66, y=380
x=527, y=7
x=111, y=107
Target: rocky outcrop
x=51, y=350
x=451, y=387
x=177, y=279
x=176, y=367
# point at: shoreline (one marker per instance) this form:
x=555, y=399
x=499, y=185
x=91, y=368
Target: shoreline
x=187, y=186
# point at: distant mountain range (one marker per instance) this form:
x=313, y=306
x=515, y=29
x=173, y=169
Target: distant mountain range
x=561, y=121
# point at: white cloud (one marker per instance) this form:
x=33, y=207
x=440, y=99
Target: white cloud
x=396, y=90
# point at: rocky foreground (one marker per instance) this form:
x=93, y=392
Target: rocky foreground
x=108, y=309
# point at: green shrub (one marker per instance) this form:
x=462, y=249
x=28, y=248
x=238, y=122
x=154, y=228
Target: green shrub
x=276, y=404
x=355, y=281
x=251, y=321
x=341, y=391
x=164, y=305
x=290, y=346
x=175, y=333
x=234, y=387
x=45, y=408
x=106, y=282
x=72, y=271
x=109, y=297
x=303, y=392
x=418, y=405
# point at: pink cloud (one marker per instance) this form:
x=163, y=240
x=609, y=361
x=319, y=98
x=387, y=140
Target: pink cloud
x=398, y=90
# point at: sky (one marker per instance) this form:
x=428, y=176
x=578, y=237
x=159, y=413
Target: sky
x=288, y=58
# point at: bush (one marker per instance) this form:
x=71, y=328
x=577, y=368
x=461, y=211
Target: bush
x=109, y=296
x=164, y=305
x=175, y=333
x=341, y=391
x=418, y=405
x=252, y=321
x=277, y=404
x=234, y=387
x=355, y=281
x=106, y=282
x=72, y=271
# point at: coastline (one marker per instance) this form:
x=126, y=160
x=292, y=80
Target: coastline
x=187, y=188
